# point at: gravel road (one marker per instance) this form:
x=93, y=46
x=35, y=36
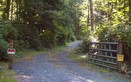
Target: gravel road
x=42, y=68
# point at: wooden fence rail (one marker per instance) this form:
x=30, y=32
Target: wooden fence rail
x=105, y=54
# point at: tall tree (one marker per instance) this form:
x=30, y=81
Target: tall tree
x=130, y=12
x=7, y=9
x=12, y=8
x=88, y=15
x=91, y=14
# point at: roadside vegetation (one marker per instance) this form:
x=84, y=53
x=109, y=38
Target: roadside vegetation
x=37, y=24
x=82, y=59
x=7, y=75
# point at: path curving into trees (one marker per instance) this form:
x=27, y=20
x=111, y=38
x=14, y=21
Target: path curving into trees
x=58, y=68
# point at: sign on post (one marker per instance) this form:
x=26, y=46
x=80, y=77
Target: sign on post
x=120, y=58
x=11, y=51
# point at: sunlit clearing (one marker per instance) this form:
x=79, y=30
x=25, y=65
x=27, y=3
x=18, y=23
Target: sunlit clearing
x=84, y=56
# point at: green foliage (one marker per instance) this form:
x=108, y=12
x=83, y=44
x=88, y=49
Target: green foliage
x=119, y=33
x=42, y=26
x=21, y=45
x=6, y=33
x=110, y=11
x=102, y=32
x=46, y=23
x=7, y=30
x=3, y=48
x=84, y=47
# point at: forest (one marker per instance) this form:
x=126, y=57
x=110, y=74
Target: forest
x=37, y=24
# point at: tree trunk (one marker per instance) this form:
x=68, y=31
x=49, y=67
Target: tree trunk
x=76, y=25
x=91, y=14
x=110, y=13
x=88, y=16
x=12, y=10
x=129, y=12
x=17, y=9
x=7, y=10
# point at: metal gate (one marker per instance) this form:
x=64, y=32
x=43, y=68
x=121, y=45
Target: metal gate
x=104, y=54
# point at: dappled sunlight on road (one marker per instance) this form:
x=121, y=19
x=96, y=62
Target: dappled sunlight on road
x=79, y=79
x=73, y=78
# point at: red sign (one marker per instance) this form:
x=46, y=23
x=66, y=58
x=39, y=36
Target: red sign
x=11, y=51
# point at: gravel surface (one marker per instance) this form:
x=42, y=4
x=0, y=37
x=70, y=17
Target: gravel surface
x=42, y=68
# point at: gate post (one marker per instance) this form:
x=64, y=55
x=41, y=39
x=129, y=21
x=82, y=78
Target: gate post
x=120, y=57
x=11, y=52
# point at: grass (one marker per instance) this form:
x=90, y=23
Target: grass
x=7, y=75
x=77, y=57
x=8, y=80
x=83, y=59
x=27, y=54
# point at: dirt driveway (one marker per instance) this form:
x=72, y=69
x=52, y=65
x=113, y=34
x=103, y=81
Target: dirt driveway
x=49, y=68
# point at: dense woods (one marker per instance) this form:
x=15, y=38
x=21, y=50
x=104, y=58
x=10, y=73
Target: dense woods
x=41, y=23
x=36, y=24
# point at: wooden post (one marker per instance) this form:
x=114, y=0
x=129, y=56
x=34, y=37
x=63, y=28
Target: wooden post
x=11, y=44
x=120, y=57
x=10, y=61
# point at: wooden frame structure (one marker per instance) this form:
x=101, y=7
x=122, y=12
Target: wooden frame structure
x=105, y=54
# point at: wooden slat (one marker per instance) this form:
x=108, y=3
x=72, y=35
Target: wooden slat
x=103, y=56
x=112, y=67
x=103, y=61
x=104, y=42
x=104, y=50
x=107, y=49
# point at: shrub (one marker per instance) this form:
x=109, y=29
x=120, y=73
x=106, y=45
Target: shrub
x=21, y=45
x=3, y=48
x=7, y=31
x=119, y=33
x=84, y=47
